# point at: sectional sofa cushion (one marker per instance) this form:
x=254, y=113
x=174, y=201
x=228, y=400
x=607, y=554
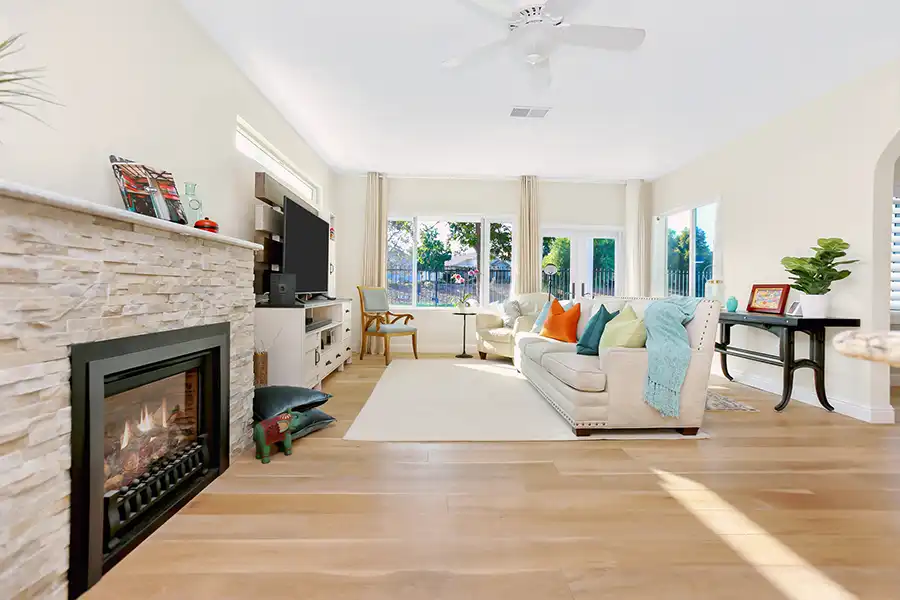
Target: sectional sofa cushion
x=583, y=373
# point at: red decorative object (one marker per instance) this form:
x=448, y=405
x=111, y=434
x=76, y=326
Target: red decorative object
x=769, y=298
x=207, y=224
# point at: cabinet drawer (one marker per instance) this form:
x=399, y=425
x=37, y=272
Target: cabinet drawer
x=346, y=311
x=346, y=332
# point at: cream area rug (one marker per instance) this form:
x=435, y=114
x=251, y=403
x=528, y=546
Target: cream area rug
x=451, y=400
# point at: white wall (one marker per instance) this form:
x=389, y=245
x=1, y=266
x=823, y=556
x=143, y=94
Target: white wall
x=561, y=203
x=140, y=80
x=819, y=171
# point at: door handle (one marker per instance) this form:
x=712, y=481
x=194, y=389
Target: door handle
x=582, y=289
x=318, y=358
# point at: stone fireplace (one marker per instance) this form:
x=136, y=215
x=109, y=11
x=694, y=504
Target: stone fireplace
x=126, y=380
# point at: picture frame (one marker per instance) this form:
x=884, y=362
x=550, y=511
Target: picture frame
x=148, y=191
x=768, y=298
x=795, y=310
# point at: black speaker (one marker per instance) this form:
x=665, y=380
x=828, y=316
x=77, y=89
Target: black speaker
x=282, y=288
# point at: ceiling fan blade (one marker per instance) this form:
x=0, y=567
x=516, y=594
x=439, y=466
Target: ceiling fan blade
x=562, y=8
x=600, y=36
x=541, y=75
x=492, y=9
x=481, y=53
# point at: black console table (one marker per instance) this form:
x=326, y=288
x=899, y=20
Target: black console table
x=784, y=327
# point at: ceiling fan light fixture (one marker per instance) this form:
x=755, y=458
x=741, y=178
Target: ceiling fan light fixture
x=535, y=58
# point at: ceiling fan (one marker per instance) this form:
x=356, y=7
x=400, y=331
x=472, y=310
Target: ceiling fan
x=534, y=31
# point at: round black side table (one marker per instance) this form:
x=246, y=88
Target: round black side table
x=464, y=315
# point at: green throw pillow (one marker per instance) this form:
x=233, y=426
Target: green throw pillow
x=625, y=331
x=590, y=340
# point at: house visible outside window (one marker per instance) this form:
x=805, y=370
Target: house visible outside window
x=690, y=250
x=252, y=145
x=434, y=262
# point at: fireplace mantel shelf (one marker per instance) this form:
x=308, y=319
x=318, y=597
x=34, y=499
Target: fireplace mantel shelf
x=31, y=194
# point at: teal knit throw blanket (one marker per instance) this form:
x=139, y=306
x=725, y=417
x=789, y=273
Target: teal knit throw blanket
x=668, y=352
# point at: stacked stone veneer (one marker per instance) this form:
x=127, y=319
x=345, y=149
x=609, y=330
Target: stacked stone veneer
x=69, y=277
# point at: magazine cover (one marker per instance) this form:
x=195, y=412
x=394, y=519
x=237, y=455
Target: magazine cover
x=165, y=183
x=148, y=191
x=134, y=185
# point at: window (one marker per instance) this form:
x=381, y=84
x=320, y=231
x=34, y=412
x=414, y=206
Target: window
x=254, y=146
x=895, y=256
x=434, y=263
x=690, y=250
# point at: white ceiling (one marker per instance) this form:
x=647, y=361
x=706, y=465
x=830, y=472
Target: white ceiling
x=362, y=81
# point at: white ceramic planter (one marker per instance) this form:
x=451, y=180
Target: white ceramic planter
x=815, y=307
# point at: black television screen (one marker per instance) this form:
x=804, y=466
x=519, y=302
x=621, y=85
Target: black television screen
x=305, y=248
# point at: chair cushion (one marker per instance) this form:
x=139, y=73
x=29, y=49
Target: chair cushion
x=502, y=335
x=395, y=328
x=583, y=373
x=536, y=350
x=562, y=324
x=374, y=299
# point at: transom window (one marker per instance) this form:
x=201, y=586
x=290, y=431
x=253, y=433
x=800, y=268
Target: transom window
x=436, y=262
x=252, y=145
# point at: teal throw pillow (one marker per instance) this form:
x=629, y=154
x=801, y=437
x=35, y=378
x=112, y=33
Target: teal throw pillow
x=542, y=316
x=590, y=340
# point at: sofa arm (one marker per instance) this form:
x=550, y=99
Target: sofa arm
x=524, y=323
x=626, y=376
x=486, y=320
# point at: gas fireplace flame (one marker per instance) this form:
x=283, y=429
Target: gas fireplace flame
x=146, y=422
x=126, y=435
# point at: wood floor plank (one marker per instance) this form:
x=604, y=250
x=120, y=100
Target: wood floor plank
x=541, y=520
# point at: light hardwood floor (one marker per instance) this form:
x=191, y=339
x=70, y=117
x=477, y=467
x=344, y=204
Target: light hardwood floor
x=802, y=504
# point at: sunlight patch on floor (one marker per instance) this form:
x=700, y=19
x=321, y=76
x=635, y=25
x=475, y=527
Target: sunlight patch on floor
x=496, y=369
x=781, y=566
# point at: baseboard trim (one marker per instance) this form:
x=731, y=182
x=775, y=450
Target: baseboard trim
x=808, y=396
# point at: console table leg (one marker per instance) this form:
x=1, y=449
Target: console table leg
x=726, y=340
x=817, y=355
x=787, y=356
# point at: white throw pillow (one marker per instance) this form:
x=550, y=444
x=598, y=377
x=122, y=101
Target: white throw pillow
x=509, y=312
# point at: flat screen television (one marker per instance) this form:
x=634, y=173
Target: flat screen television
x=305, y=252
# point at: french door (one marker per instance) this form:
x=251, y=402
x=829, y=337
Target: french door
x=587, y=262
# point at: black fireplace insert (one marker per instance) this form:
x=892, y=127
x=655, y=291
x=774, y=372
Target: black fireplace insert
x=149, y=432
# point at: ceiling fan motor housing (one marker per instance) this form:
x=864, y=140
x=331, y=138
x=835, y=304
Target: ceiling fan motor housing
x=532, y=15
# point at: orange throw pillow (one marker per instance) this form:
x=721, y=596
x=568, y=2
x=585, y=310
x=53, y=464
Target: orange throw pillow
x=562, y=324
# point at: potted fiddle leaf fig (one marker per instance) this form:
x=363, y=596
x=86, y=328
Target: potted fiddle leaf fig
x=813, y=275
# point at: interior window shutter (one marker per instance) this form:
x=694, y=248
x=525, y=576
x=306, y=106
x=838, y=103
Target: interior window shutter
x=895, y=256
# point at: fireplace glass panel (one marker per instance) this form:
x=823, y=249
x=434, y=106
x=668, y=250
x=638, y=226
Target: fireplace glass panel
x=148, y=423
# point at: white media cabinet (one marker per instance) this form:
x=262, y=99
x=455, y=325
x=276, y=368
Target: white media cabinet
x=299, y=357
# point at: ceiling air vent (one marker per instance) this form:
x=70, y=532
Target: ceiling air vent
x=529, y=112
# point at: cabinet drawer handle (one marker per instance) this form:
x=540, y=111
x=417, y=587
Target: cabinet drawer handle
x=327, y=363
x=338, y=356
x=348, y=348
x=347, y=312
x=347, y=330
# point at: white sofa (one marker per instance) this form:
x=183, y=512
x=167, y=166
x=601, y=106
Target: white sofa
x=495, y=338
x=607, y=391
